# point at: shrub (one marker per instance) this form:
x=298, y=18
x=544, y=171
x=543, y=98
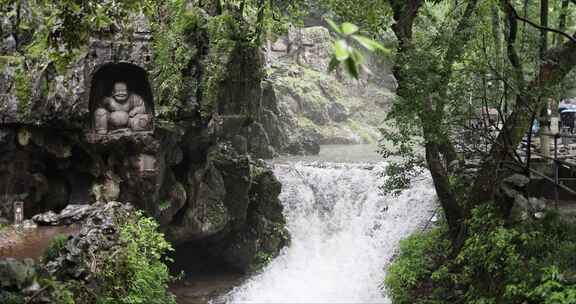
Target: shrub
x=55, y=246
x=418, y=257
x=137, y=273
x=530, y=262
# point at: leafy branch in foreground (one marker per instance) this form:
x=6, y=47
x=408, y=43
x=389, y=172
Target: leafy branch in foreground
x=411, y=164
x=345, y=51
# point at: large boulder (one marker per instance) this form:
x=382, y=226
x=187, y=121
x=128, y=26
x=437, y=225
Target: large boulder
x=254, y=245
x=69, y=215
x=234, y=210
x=99, y=233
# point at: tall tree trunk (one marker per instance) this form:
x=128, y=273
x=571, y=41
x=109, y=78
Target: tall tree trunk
x=562, y=21
x=496, y=35
x=543, y=22
x=439, y=150
x=544, y=117
x=559, y=61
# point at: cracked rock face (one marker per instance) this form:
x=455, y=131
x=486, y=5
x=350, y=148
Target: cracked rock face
x=98, y=233
x=192, y=171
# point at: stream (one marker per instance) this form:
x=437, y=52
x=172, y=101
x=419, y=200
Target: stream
x=344, y=232
x=30, y=243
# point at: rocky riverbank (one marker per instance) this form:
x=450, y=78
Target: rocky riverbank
x=184, y=148
x=115, y=245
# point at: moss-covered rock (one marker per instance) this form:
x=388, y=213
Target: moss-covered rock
x=200, y=75
x=117, y=257
x=252, y=247
x=310, y=105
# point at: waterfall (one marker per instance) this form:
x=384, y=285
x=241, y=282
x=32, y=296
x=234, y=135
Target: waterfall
x=344, y=232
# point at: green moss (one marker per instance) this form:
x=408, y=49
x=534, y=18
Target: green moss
x=305, y=122
x=195, y=55
x=256, y=172
x=23, y=84
x=225, y=36
x=175, y=46
x=8, y=61
x=216, y=214
x=164, y=205
x=360, y=130
x=261, y=259
x=4, y=227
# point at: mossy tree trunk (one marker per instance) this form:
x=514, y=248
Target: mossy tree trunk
x=439, y=149
x=556, y=63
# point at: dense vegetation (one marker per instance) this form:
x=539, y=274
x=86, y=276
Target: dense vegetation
x=529, y=262
x=134, y=271
x=454, y=58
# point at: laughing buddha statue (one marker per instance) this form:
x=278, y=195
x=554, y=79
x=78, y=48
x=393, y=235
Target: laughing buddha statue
x=123, y=111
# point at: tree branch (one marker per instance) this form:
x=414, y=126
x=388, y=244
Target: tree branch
x=538, y=26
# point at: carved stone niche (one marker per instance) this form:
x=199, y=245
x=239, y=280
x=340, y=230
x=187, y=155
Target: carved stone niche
x=121, y=100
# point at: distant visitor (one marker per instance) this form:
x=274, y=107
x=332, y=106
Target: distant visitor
x=123, y=111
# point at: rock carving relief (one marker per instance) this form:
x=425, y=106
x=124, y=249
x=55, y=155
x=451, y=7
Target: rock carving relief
x=121, y=100
x=121, y=111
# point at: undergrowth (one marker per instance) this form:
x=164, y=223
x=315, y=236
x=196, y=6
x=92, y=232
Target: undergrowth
x=138, y=274
x=529, y=262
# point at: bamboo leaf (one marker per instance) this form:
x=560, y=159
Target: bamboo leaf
x=352, y=68
x=333, y=64
x=334, y=26
x=348, y=29
x=341, y=50
x=369, y=44
x=357, y=57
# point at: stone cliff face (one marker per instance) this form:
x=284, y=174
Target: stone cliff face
x=190, y=167
x=305, y=106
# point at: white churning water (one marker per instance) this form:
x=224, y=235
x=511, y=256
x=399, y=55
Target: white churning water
x=344, y=233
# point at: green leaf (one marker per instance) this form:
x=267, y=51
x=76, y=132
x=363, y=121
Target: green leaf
x=334, y=63
x=369, y=44
x=341, y=50
x=334, y=26
x=352, y=68
x=349, y=28
x=74, y=7
x=357, y=57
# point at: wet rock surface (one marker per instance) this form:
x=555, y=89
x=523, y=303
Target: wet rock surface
x=71, y=214
x=305, y=106
x=191, y=169
x=99, y=233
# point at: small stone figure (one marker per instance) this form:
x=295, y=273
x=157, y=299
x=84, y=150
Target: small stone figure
x=122, y=111
x=18, y=213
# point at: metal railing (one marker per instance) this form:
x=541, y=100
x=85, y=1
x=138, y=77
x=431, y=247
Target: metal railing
x=557, y=163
